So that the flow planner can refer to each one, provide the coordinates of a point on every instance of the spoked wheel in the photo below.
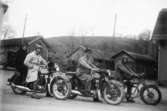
(113, 94)
(61, 88)
(72, 96)
(150, 95)
(17, 80)
(17, 90)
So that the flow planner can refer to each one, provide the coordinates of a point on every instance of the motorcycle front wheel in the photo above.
(150, 95)
(61, 88)
(113, 94)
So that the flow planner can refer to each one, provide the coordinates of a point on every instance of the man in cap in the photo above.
(123, 72)
(85, 65)
(32, 61)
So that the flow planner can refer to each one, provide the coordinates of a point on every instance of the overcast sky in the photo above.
(83, 17)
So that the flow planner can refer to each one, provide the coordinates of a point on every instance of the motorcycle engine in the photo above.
(96, 75)
(40, 87)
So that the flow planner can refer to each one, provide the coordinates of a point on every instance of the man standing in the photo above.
(85, 65)
(33, 60)
(123, 72)
(19, 65)
(21, 55)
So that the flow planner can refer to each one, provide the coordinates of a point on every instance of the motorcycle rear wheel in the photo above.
(18, 91)
(17, 80)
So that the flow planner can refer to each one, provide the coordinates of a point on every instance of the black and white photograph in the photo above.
(83, 55)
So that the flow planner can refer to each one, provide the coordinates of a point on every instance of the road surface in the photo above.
(11, 102)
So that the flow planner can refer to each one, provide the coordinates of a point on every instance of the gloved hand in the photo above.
(135, 75)
(95, 69)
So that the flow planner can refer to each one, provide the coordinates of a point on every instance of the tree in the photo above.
(7, 32)
(144, 41)
(145, 35)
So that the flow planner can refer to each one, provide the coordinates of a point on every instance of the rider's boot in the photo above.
(88, 88)
(130, 100)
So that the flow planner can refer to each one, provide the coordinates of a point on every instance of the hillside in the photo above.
(64, 45)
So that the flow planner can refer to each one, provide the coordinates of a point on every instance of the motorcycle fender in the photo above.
(115, 82)
(150, 83)
(60, 75)
(55, 76)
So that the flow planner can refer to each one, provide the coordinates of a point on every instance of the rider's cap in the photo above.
(88, 50)
(38, 46)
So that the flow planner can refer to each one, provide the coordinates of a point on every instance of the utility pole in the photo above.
(114, 29)
(25, 21)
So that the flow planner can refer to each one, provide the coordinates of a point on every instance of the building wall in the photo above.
(4, 51)
(120, 57)
(162, 65)
(4, 55)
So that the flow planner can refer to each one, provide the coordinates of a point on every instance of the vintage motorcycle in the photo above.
(45, 77)
(149, 92)
(103, 87)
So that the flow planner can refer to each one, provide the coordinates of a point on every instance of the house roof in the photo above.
(26, 40)
(160, 29)
(97, 54)
(20, 41)
(135, 56)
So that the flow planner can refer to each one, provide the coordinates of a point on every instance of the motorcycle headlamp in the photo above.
(109, 72)
(56, 67)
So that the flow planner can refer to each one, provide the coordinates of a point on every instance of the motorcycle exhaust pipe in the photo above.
(99, 95)
(76, 92)
(21, 87)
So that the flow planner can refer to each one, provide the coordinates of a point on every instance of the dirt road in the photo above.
(11, 102)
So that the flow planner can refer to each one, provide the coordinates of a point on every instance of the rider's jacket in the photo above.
(32, 61)
(122, 71)
(84, 67)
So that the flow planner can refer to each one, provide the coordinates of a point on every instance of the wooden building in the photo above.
(159, 37)
(100, 59)
(10, 46)
(138, 62)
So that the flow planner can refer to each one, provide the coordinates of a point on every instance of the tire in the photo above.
(17, 90)
(17, 80)
(96, 99)
(150, 95)
(59, 84)
(72, 96)
(117, 94)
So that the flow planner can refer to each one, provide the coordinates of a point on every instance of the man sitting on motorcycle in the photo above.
(85, 65)
(33, 61)
(123, 72)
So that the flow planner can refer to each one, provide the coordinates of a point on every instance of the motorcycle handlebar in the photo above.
(99, 70)
(139, 75)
